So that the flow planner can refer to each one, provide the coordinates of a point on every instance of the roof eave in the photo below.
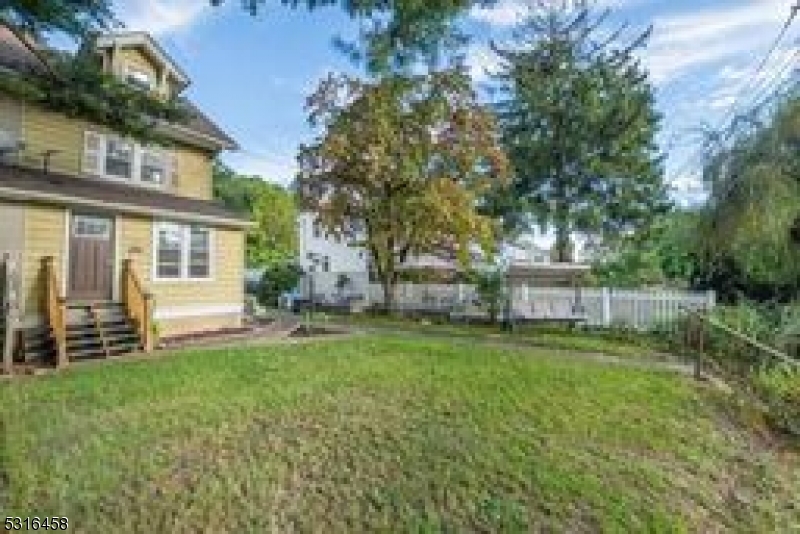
(18, 195)
(191, 136)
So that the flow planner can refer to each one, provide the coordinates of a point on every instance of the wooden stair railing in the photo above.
(56, 308)
(9, 308)
(138, 304)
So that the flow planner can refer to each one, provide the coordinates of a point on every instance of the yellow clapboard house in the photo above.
(106, 241)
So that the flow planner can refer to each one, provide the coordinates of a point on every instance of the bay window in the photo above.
(182, 252)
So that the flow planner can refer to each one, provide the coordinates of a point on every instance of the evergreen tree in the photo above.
(579, 123)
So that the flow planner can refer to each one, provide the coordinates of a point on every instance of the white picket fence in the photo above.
(601, 307)
(606, 307)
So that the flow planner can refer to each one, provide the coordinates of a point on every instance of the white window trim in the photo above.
(136, 164)
(131, 69)
(185, 252)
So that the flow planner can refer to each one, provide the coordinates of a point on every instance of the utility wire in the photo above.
(728, 124)
(731, 115)
(792, 15)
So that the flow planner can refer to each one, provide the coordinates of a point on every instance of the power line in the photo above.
(792, 15)
(727, 125)
(731, 115)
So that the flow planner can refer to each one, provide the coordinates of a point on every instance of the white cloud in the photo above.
(504, 13)
(722, 102)
(161, 17)
(510, 12)
(686, 41)
(482, 62)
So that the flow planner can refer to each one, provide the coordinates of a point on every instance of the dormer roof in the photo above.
(150, 46)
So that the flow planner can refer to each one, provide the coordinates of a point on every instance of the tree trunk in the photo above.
(563, 245)
(388, 294)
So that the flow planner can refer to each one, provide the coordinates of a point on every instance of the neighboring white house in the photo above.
(321, 253)
(525, 251)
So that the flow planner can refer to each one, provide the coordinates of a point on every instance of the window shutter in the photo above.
(173, 170)
(93, 148)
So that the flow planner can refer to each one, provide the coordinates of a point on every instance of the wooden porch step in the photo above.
(37, 345)
(84, 342)
(93, 330)
(86, 304)
(37, 342)
(121, 336)
(126, 348)
(41, 355)
(87, 353)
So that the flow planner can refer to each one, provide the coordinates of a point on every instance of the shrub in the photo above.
(277, 280)
(490, 286)
(779, 388)
(775, 383)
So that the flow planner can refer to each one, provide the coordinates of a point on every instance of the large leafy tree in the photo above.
(273, 240)
(750, 222)
(406, 158)
(664, 253)
(578, 118)
(75, 18)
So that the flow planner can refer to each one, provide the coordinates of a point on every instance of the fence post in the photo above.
(711, 299)
(698, 361)
(606, 307)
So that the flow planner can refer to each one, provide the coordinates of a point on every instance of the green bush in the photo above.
(775, 383)
(779, 387)
(275, 281)
(490, 286)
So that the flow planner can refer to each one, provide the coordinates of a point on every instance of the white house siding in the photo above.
(342, 258)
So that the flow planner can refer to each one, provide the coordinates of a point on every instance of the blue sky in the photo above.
(252, 74)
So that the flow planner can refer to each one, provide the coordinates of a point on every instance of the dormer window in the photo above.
(139, 78)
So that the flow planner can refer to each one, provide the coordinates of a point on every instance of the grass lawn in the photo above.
(555, 337)
(385, 434)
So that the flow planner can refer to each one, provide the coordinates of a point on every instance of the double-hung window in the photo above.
(138, 78)
(120, 159)
(199, 252)
(154, 167)
(182, 252)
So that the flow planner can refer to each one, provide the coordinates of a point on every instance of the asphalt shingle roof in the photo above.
(27, 181)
